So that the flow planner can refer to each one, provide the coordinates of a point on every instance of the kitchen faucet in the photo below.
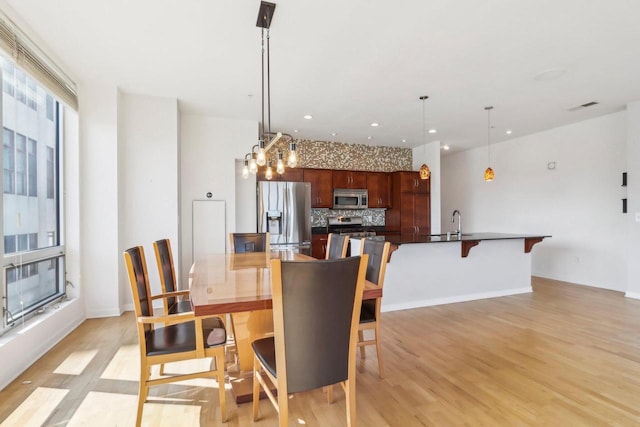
(453, 220)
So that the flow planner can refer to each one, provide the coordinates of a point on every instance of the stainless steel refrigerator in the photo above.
(284, 210)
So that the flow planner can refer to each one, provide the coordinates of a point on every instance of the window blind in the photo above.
(29, 57)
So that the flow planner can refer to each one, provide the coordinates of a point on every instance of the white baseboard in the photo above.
(94, 314)
(634, 295)
(454, 299)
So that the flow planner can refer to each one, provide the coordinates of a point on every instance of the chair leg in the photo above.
(363, 355)
(329, 390)
(379, 349)
(143, 391)
(283, 409)
(256, 389)
(350, 398)
(220, 365)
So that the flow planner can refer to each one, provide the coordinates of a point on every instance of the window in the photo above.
(33, 273)
(33, 241)
(21, 86)
(33, 167)
(21, 164)
(49, 107)
(50, 173)
(32, 94)
(8, 163)
(9, 244)
(8, 85)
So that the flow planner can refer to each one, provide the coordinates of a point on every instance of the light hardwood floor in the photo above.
(564, 355)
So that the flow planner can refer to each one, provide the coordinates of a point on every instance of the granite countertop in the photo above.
(400, 239)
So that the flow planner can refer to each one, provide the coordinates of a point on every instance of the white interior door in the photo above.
(209, 228)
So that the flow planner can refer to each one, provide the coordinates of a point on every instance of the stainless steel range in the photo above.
(348, 225)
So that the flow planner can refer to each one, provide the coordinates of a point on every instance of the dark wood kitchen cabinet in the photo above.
(411, 211)
(379, 186)
(349, 179)
(319, 245)
(321, 181)
(290, 174)
(410, 182)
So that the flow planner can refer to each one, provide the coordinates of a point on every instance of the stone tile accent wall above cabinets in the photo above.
(357, 157)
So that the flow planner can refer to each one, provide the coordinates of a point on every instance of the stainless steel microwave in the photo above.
(345, 198)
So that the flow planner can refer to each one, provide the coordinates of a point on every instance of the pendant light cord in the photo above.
(489, 132)
(268, 84)
(262, 85)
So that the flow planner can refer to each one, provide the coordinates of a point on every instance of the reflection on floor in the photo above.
(562, 355)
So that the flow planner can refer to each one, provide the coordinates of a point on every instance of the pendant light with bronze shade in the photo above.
(424, 169)
(489, 174)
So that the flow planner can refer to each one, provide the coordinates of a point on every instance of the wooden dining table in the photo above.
(240, 285)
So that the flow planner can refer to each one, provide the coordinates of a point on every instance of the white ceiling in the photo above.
(350, 63)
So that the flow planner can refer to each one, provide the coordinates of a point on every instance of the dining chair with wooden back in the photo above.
(316, 308)
(378, 253)
(183, 337)
(249, 242)
(337, 246)
(164, 258)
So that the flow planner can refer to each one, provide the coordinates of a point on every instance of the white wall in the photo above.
(430, 155)
(578, 202)
(246, 201)
(209, 148)
(632, 192)
(148, 180)
(99, 198)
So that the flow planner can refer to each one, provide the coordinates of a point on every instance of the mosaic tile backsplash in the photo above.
(369, 216)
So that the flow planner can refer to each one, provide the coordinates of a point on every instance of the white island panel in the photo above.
(425, 274)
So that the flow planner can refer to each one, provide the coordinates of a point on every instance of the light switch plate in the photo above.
(637, 216)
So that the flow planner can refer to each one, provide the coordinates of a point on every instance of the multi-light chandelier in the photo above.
(259, 155)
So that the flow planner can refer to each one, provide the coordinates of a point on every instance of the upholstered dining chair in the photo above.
(316, 307)
(378, 253)
(249, 242)
(183, 337)
(337, 246)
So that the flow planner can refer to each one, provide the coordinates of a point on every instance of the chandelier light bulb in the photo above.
(292, 159)
(253, 166)
(269, 173)
(261, 160)
(245, 170)
(280, 164)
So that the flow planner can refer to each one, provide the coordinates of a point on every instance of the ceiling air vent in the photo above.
(579, 107)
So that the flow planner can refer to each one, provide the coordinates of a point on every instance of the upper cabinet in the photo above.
(321, 181)
(379, 186)
(349, 179)
(410, 182)
(290, 174)
(411, 211)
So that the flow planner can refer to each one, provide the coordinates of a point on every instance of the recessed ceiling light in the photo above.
(432, 131)
(404, 140)
(333, 134)
(295, 131)
(375, 124)
(368, 137)
(308, 117)
(445, 147)
(508, 131)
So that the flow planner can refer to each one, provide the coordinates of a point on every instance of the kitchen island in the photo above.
(429, 270)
